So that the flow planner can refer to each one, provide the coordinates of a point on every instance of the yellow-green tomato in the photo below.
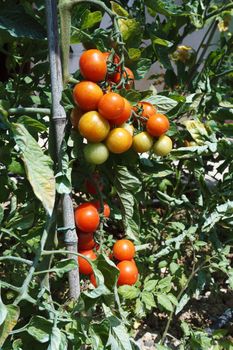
(162, 146)
(96, 153)
(142, 142)
(128, 127)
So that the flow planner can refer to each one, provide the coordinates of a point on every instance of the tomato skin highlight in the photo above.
(95, 153)
(93, 65)
(128, 273)
(162, 146)
(87, 95)
(142, 142)
(93, 126)
(84, 266)
(123, 249)
(87, 217)
(157, 124)
(128, 127)
(107, 210)
(124, 116)
(111, 105)
(86, 240)
(119, 140)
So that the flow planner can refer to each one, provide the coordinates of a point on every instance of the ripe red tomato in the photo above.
(142, 142)
(85, 240)
(93, 65)
(123, 249)
(146, 109)
(128, 273)
(128, 76)
(157, 124)
(163, 146)
(87, 217)
(125, 114)
(93, 280)
(106, 208)
(87, 95)
(93, 126)
(119, 140)
(111, 105)
(90, 186)
(95, 153)
(84, 266)
(75, 116)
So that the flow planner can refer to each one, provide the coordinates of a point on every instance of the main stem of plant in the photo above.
(57, 129)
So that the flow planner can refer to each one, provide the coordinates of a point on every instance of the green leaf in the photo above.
(139, 308)
(159, 41)
(148, 300)
(149, 285)
(1, 213)
(64, 266)
(32, 125)
(167, 8)
(141, 67)
(131, 31)
(57, 340)
(197, 130)
(38, 167)
(119, 10)
(91, 19)
(183, 301)
(165, 302)
(129, 292)
(18, 23)
(9, 322)
(163, 103)
(40, 329)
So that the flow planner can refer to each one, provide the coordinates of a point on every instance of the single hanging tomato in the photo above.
(87, 217)
(128, 273)
(93, 65)
(157, 124)
(123, 249)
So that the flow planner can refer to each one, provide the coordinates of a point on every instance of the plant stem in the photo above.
(17, 259)
(218, 11)
(58, 122)
(29, 110)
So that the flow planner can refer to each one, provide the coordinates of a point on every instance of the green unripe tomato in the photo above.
(142, 142)
(162, 146)
(96, 153)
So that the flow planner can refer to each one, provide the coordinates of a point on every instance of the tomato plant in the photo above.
(142, 142)
(84, 266)
(157, 124)
(85, 241)
(162, 146)
(96, 153)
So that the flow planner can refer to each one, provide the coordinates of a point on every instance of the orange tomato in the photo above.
(157, 124)
(146, 109)
(119, 140)
(87, 217)
(128, 273)
(111, 105)
(125, 114)
(84, 266)
(93, 126)
(106, 208)
(93, 65)
(87, 95)
(123, 249)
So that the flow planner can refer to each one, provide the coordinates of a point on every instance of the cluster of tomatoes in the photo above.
(106, 119)
(87, 220)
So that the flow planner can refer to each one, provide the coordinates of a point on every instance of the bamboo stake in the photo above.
(57, 128)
